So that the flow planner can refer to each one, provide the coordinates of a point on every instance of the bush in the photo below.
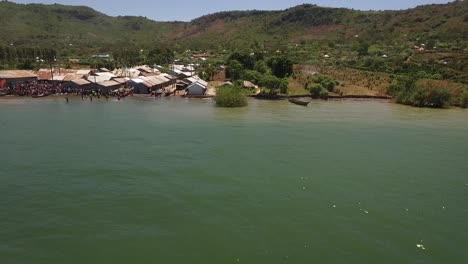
(235, 70)
(274, 83)
(464, 100)
(438, 98)
(261, 67)
(407, 92)
(326, 81)
(315, 90)
(252, 76)
(281, 66)
(324, 94)
(230, 96)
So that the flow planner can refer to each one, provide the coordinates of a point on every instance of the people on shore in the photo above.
(44, 88)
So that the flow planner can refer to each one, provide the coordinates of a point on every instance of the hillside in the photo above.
(86, 29)
(380, 41)
(82, 27)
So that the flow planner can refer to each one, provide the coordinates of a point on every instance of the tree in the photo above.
(246, 60)
(235, 70)
(274, 83)
(326, 82)
(363, 48)
(230, 96)
(281, 66)
(315, 90)
(464, 99)
(160, 56)
(261, 67)
(253, 76)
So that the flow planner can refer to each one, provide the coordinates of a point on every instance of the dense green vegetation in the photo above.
(464, 100)
(25, 58)
(407, 91)
(321, 85)
(270, 73)
(230, 96)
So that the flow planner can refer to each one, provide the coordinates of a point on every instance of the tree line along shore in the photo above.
(257, 74)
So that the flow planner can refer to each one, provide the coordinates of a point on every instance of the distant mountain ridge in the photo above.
(84, 29)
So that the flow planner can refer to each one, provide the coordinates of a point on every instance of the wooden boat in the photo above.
(299, 102)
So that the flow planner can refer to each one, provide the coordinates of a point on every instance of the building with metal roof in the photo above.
(17, 76)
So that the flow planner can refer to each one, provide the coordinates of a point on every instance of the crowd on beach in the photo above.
(40, 89)
(33, 89)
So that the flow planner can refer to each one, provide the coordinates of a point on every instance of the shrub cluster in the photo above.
(407, 92)
(464, 100)
(321, 85)
(230, 96)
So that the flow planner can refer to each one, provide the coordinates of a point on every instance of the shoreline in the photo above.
(336, 97)
(268, 98)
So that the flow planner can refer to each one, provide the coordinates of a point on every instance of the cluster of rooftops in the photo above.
(143, 79)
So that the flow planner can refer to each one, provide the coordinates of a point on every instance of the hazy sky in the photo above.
(188, 9)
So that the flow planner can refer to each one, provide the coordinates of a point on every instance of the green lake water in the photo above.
(181, 181)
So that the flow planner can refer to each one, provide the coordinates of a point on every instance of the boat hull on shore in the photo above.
(299, 102)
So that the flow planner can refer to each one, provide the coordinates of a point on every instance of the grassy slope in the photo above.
(61, 25)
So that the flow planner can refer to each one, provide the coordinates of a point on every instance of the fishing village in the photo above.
(145, 80)
(233, 131)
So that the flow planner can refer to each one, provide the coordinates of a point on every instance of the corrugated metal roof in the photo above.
(120, 80)
(83, 71)
(99, 79)
(138, 80)
(80, 82)
(155, 80)
(109, 83)
(59, 74)
(168, 76)
(17, 74)
(196, 79)
(106, 74)
(58, 77)
(126, 73)
(72, 76)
